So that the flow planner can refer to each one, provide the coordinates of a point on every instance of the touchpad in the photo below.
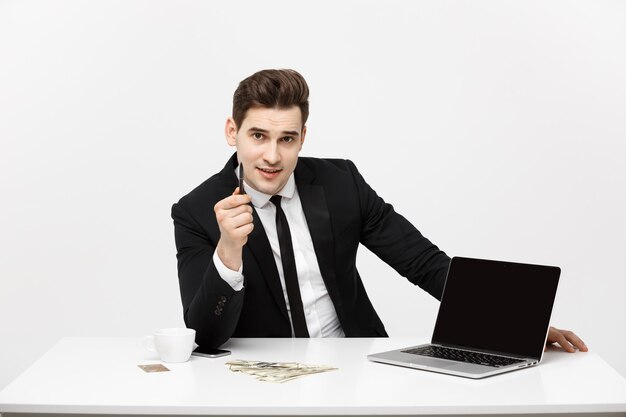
(433, 363)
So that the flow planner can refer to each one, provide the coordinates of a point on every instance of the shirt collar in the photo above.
(260, 199)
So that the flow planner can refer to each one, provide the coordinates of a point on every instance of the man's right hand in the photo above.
(234, 217)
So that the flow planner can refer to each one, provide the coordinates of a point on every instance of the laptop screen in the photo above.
(502, 307)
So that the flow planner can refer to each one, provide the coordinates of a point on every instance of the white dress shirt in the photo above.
(319, 310)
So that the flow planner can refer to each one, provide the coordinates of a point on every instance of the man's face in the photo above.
(268, 143)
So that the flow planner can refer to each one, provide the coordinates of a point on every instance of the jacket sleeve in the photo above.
(397, 242)
(210, 305)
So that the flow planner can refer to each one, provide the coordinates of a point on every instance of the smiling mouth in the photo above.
(269, 174)
(270, 170)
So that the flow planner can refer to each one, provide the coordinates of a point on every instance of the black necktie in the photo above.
(289, 269)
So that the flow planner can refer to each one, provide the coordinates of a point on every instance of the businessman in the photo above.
(276, 256)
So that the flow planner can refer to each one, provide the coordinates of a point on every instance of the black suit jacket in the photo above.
(341, 210)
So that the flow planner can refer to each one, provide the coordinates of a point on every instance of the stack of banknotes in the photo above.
(276, 371)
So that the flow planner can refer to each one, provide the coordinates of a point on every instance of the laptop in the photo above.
(493, 318)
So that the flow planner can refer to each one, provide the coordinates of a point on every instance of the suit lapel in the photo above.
(317, 217)
(259, 246)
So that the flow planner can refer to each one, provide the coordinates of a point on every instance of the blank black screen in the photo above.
(497, 306)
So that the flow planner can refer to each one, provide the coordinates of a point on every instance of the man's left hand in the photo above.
(566, 339)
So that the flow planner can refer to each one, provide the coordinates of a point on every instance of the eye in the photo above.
(288, 139)
(257, 135)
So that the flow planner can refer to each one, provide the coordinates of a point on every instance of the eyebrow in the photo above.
(284, 132)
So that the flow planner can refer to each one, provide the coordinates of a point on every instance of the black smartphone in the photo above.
(210, 353)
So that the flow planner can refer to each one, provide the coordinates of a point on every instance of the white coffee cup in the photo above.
(173, 345)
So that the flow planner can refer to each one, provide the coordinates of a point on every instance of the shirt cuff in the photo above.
(233, 278)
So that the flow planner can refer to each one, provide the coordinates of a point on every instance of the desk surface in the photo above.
(100, 375)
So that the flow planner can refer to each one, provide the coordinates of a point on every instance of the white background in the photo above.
(496, 127)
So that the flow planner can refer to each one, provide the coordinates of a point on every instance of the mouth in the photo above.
(269, 173)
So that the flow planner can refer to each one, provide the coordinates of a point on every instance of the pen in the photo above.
(241, 190)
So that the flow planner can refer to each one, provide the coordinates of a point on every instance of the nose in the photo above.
(271, 154)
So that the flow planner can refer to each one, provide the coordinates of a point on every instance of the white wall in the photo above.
(497, 127)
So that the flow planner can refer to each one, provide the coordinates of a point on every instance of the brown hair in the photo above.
(280, 89)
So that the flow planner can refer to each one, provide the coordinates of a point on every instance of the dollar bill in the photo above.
(276, 371)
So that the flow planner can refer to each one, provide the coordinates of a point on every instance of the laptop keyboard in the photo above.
(463, 356)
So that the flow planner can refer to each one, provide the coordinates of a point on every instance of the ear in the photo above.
(230, 131)
(302, 136)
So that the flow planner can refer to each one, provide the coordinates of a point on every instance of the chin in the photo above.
(263, 188)
(268, 187)
(271, 191)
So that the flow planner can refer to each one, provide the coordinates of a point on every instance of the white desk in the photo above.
(100, 376)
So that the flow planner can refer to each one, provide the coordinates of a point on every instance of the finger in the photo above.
(576, 341)
(232, 201)
(235, 211)
(241, 231)
(561, 340)
(242, 219)
(228, 220)
(233, 218)
(237, 191)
